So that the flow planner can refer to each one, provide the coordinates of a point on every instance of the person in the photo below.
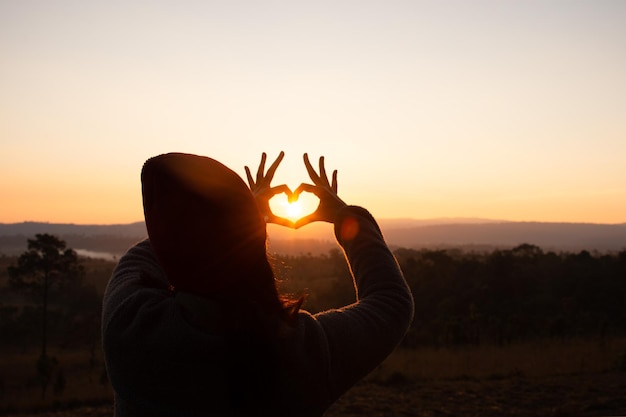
(193, 324)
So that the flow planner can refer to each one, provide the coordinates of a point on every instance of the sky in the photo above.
(510, 110)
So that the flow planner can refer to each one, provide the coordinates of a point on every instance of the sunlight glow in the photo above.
(306, 204)
(294, 210)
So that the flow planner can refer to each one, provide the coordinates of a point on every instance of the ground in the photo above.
(580, 395)
(602, 394)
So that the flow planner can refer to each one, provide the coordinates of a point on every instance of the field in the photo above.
(552, 337)
(548, 378)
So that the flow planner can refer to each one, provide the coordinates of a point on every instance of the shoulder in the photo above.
(137, 280)
(139, 266)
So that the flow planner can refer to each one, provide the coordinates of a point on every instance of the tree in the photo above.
(46, 263)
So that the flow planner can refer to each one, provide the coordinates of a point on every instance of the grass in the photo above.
(532, 359)
(439, 375)
(20, 388)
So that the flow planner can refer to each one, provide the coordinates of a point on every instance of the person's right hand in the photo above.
(263, 190)
(330, 203)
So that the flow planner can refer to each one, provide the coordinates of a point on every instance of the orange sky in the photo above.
(501, 110)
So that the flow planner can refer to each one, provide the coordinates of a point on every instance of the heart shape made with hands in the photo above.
(300, 206)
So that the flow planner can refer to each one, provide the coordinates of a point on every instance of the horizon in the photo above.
(484, 109)
(434, 221)
(319, 237)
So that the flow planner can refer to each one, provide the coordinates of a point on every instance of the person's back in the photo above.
(177, 348)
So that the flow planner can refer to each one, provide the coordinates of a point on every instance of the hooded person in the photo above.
(207, 232)
(193, 324)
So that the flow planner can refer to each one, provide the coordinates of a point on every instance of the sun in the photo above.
(282, 207)
(293, 210)
(305, 205)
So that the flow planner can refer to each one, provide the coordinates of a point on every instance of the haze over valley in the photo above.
(111, 241)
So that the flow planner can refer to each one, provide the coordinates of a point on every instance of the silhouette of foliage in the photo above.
(325, 279)
(461, 298)
(514, 295)
(47, 260)
(46, 263)
(496, 297)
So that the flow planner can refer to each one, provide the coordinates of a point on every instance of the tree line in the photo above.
(513, 295)
(461, 298)
(497, 297)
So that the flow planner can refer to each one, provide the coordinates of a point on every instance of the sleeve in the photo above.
(360, 336)
(137, 275)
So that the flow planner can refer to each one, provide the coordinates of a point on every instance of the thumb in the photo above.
(306, 220)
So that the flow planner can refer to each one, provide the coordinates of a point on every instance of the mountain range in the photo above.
(473, 234)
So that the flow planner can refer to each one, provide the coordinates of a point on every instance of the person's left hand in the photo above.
(330, 203)
(263, 191)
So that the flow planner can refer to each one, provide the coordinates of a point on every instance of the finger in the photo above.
(259, 172)
(270, 172)
(281, 189)
(281, 221)
(322, 174)
(284, 188)
(305, 220)
(334, 184)
(310, 169)
(309, 188)
(249, 175)
(291, 196)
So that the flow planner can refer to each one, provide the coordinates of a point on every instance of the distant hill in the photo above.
(549, 236)
(60, 229)
(104, 241)
(114, 240)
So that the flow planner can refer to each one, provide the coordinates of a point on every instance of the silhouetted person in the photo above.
(193, 324)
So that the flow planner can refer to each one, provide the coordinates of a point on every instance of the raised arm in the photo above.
(362, 335)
